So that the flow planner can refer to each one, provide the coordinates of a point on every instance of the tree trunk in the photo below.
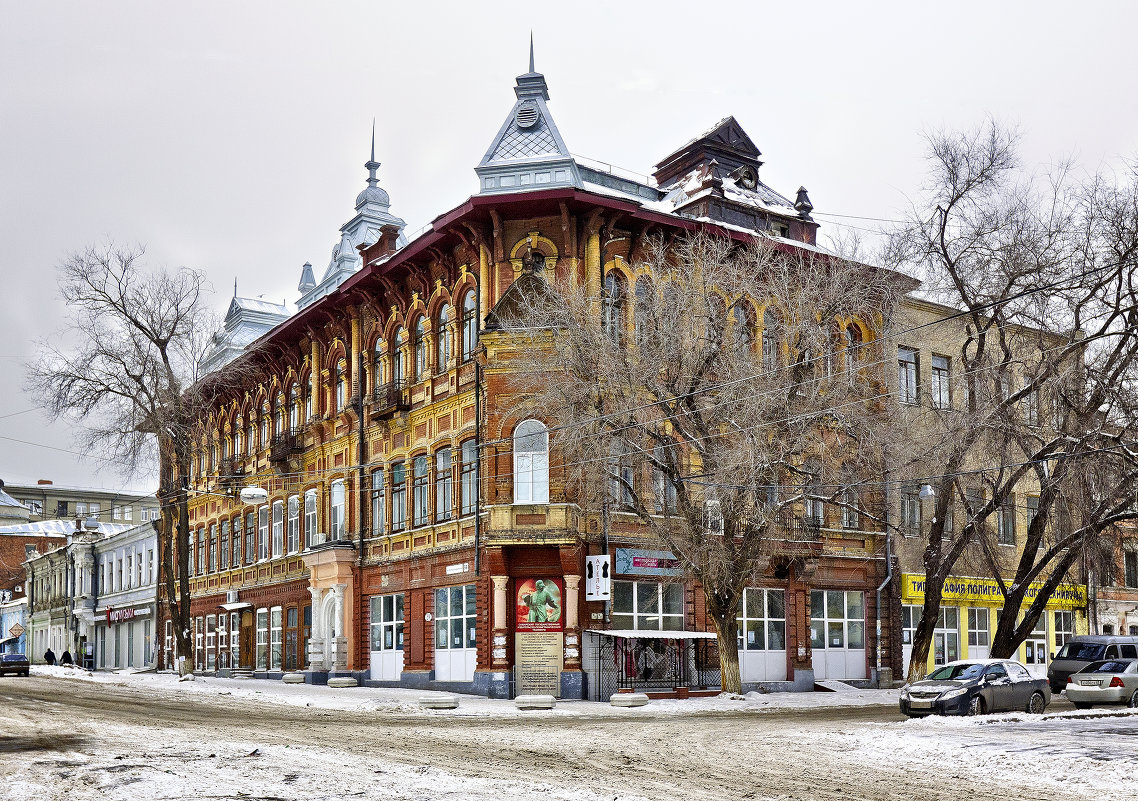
(727, 636)
(182, 533)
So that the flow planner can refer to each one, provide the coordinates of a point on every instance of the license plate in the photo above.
(1089, 683)
(915, 704)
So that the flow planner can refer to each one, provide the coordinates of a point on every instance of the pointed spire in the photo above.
(234, 286)
(532, 83)
(372, 165)
(531, 69)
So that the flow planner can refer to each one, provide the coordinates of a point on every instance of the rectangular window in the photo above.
(94, 507)
(294, 524)
(419, 488)
(837, 619)
(250, 538)
(444, 486)
(469, 487)
(978, 631)
(907, 386)
(1064, 628)
(338, 510)
(310, 524)
(278, 528)
(647, 605)
(224, 544)
(234, 639)
(378, 504)
(199, 644)
(910, 619)
(149, 567)
(941, 382)
(81, 509)
(213, 548)
(117, 511)
(129, 571)
(1006, 522)
(201, 551)
(263, 533)
(946, 636)
(1029, 405)
(387, 622)
(398, 496)
(910, 510)
(138, 570)
(851, 516)
(210, 642)
(262, 639)
(762, 620)
(1031, 503)
(455, 619)
(1130, 565)
(127, 511)
(276, 639)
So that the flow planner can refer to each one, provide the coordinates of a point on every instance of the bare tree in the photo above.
(1042, 271)
(129, 374)
(739, 393)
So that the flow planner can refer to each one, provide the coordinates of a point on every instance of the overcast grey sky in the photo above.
(231, 136)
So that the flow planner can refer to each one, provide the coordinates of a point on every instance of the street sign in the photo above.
(16, 630)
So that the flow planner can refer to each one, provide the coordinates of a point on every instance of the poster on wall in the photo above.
(642, 562)
(538, 606)
(598, 578)
(539, 657)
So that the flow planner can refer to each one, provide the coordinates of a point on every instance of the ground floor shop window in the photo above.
(169, 639)
(762, 620)
(647, 605)
(387, 623)
(262, 639)
(910, 619)
(1064, 628)
(837, 619)
(234, 639)
(199, 644)
(979, 635)
(455, 617)
(1035, 646)
(946, 636)
(210, 635)
(275, 619)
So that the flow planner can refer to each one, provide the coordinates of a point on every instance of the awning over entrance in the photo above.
(653, 635)
(233, 607)
(7, 640)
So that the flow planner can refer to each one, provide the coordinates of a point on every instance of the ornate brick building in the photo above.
(415, 530)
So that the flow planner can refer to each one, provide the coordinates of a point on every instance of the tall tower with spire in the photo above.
(528, 153)
(372, 213)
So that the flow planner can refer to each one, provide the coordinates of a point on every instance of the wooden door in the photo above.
(248, 640)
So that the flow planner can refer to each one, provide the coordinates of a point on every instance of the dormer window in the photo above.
(747, 178)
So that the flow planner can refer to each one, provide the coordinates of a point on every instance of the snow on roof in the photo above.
(265, 306)
(59, 528)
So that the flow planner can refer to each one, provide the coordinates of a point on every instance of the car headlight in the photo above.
(959, 691)
(905, 693)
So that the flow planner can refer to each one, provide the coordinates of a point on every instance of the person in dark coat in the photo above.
(66, 658)
(49, 656)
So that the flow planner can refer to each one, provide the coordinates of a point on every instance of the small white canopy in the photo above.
(647, 634)
(233, 607)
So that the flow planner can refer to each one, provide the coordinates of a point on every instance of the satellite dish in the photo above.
(254, 494)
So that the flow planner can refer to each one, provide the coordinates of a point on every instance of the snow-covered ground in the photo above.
(406, 701)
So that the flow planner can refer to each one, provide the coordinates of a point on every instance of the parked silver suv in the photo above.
(1080, 651)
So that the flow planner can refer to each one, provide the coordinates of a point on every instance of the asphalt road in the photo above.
(70, 739)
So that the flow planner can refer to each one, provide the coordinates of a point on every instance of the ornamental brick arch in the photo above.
(532, 243)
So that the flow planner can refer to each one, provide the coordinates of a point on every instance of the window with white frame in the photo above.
(907, 386)
(129, 571)
(851, 505)
(910, 509)
(531, 462)
(1064, 627)
(234, 639)
(468, 473)
(837, 619)
(419, 491)
(262, 639)
(1006, 522)
(762, 620)
(276, 638)
(80, 509)
(278, 528)
(1031, 510)
(940, 385)
(210, 642)
(378, 504)
(149, 566)
(250, 538)
(455, 618)
(979, 634)
(469, 326)
(213, 547)
(648, 605)
(910, 618)
(138, 570)
(398, 496)
(224, 549)
(263, 533)
(387, 622)
(310, 520)
(127, 512)
(293, 523)
(339, 500)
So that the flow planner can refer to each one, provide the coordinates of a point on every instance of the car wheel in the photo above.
(1036, 704)
(1133, 700)
(976, 706)
(1082, 705)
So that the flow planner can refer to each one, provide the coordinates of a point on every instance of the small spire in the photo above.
(372, 165)
(234, 286)
(531, 69)
(532, 83)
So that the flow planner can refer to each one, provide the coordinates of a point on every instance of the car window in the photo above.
(964, 672)
(1018, 671)
(1082, 651)
(1129, 651)
(1111, 652)
(995, 672)
(1110, 666)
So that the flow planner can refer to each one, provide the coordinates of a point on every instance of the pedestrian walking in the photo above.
(49, 656)
(66, 658)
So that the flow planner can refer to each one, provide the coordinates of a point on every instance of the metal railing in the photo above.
(391, 397)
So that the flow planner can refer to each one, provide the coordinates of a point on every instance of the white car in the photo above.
(1111, 681)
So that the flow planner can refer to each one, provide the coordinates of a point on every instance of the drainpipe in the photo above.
(477, 440)
(888, 560)
(360, 453)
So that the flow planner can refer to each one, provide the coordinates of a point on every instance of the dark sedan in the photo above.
(974, 687)
(15, 663)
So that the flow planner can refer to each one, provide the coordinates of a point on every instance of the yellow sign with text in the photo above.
(987, 592)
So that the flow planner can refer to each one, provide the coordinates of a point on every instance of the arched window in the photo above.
(264, 423)
(279, 416)
(852, 336)
(469, 326)
(531, 462)
(442, 339)
(613, 307)
(642, 311)
(420, 348)
(716, 318)
(341, 386)
(398, 373)
(251, 436)
(377, 368)
(237, 439)
(744, 329)
(294, 408)
(770, 340)
(339, 510)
